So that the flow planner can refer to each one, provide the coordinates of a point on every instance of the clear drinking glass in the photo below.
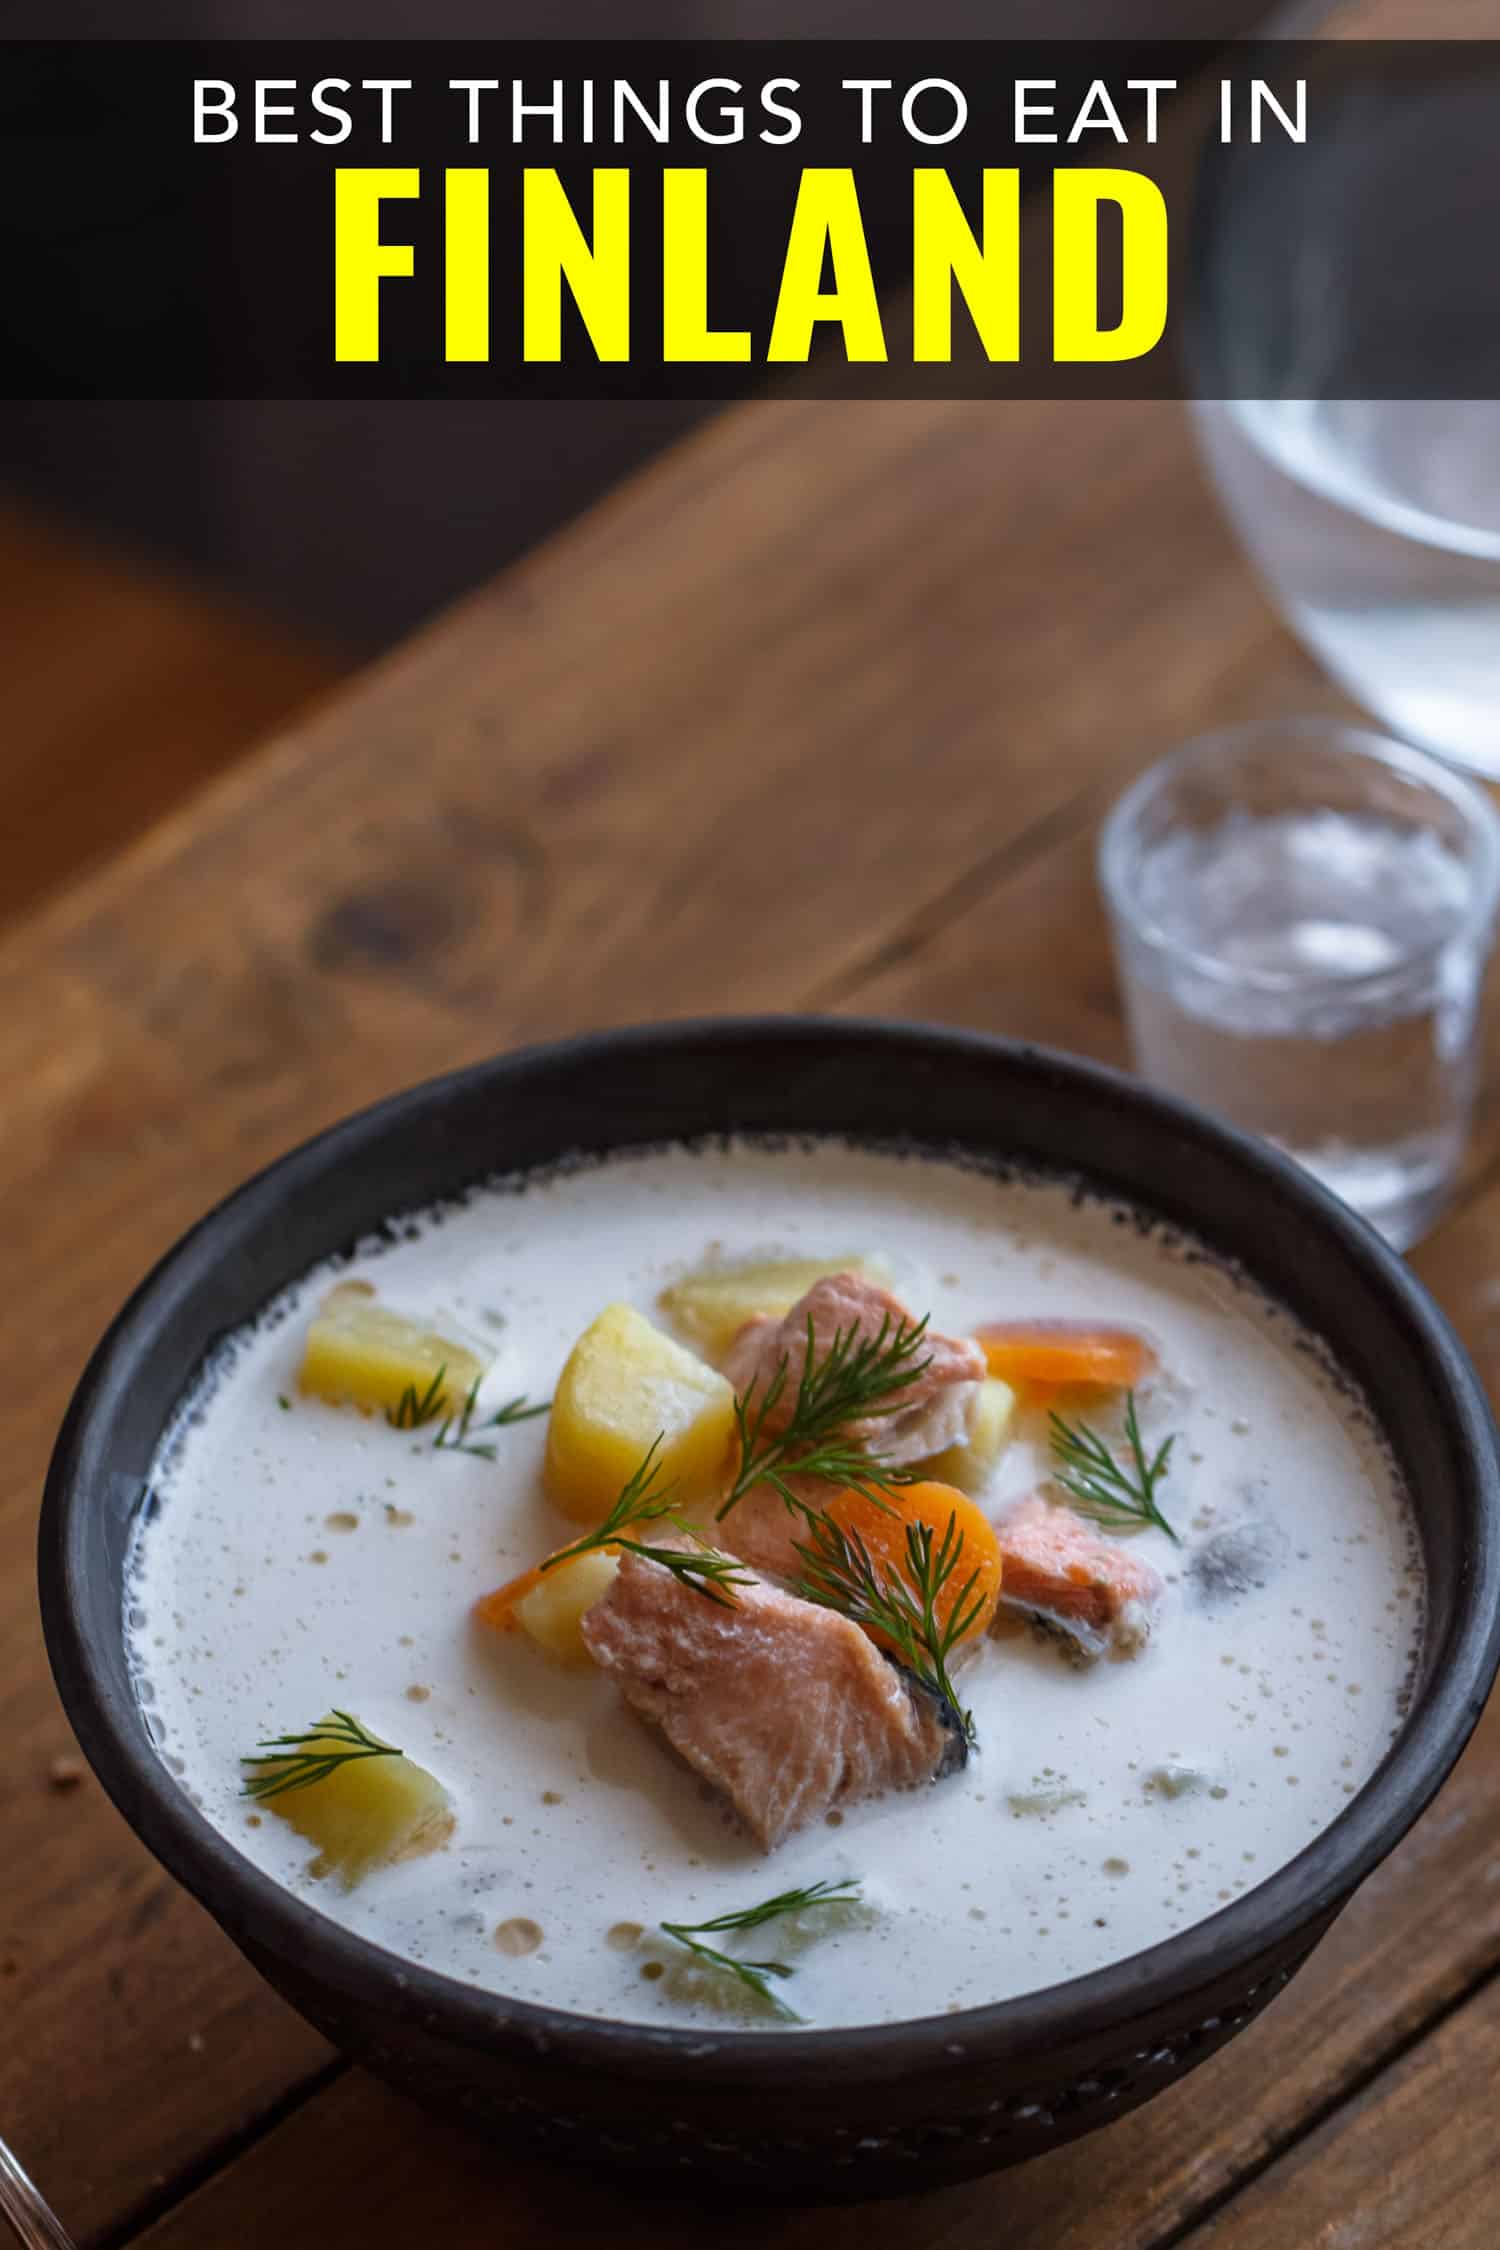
(1302, 913)
(1376, 525)
(1346, 352)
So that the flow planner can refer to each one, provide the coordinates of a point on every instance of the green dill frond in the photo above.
(1119, 1496)
(296, 1761)
(755, 1975)
(898, 1602)
(643, 1499)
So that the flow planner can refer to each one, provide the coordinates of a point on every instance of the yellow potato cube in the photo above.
(712, 1306)
(552, 1613)
(362, 1802)
(971, 1465)
(625, 1384)
(358, 1353)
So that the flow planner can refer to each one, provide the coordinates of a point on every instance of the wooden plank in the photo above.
(126, 686)
(1030, 956)
(680, 737)
(1409, 2164)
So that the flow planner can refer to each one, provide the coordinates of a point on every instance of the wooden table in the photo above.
(821, 712)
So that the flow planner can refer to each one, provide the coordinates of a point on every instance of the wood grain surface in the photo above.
(126, 686)
(822, 710)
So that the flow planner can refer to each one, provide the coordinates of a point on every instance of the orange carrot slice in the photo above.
(884, 1534)
(1064, 1352)
(498, 1609)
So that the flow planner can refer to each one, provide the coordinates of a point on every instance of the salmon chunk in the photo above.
(785, 1707)
(764, 1532)
(930, 1412)
(1060, 1569)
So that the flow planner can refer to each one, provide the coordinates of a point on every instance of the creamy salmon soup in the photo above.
(759, 1584)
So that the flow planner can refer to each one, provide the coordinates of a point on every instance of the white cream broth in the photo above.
(304, 1556)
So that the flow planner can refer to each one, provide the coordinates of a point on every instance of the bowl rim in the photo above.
(259, 1911)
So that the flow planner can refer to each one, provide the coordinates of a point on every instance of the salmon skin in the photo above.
(1059, 1569)
(934, 1410)
(786, 1708)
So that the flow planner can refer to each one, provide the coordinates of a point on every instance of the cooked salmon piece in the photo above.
(930, 1412)
(787, 1708)
(1062, 1570)
(764, 1532)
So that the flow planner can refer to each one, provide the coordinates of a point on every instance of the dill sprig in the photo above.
(301, 1759)
(643, 1499)
(1121, 1496)
(414, 1408)
(857, 1377)
(900, 1602)
(754, 1975)
(457, 1432)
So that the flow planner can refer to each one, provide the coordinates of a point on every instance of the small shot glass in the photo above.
(1302, 912)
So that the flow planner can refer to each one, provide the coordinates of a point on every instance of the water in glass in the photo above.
(1312, 987)
(1376, 524)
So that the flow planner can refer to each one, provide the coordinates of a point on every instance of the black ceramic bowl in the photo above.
(819, 2112)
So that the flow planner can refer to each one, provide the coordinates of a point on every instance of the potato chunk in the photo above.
(712, 1306)
(373, 1807)
(971, 1465)
(624, 1385)
(359, 1353)
(550, 1604)
(553, 1612)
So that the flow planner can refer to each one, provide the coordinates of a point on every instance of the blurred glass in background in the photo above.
(1347, 355)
